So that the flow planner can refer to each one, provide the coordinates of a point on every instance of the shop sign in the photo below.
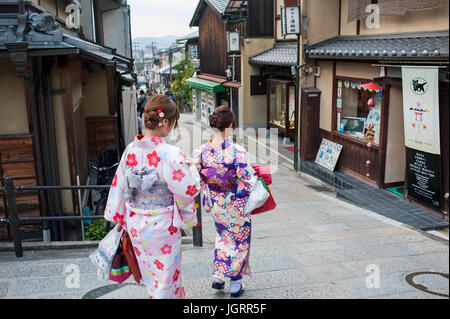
(233, 44)
(328, 154)
(193, 52)
(422, 135)
(290, 20)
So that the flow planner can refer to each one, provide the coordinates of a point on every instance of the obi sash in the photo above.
(157, 197)
(219, 180)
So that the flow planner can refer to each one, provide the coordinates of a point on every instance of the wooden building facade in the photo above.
(61, 101)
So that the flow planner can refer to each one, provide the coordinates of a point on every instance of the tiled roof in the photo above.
(281, 54)
(220, 5)
(190, 36)
(426, 45)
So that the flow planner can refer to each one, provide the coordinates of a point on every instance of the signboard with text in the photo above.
(422, 134)
(233, 44)
(290, 20)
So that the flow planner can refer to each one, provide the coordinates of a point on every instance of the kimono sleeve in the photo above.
(247, 178)
(245, 173)
(184, 183)
(115, 208)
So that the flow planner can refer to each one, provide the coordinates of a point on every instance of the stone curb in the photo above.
(66, 245)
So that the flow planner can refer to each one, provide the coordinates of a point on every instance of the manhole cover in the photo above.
(116, 291)
(435, 283)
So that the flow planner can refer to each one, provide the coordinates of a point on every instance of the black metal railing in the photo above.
(14, 221)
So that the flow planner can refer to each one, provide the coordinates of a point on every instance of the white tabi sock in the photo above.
(218, 281)
(234, 286)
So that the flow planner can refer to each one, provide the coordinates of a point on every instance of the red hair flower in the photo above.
(160, 113)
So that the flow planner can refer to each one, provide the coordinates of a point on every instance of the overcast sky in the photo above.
(158, 18)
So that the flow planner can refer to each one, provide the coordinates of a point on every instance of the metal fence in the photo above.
(14, 221)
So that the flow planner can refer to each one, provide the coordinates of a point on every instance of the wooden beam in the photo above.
(384, 123)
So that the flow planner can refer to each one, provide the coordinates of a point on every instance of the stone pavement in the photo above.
(313, 245)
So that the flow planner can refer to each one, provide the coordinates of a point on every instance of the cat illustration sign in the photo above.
(419, 86)
(422, 134)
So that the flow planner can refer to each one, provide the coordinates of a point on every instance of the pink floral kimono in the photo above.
(152, 196)
(227, 179)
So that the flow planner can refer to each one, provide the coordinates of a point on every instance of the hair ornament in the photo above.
(160, 113)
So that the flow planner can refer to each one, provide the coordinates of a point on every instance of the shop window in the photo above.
(278, 104)
(358, 108)
(282, 104)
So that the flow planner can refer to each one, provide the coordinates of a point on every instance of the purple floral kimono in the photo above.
(227, 179)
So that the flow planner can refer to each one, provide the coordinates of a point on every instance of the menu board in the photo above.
(424, 177)
(422, 134)
(328, 154)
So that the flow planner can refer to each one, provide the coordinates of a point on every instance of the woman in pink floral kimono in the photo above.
(227, 179)
(152, 197)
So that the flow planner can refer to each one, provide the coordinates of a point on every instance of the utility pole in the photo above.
(170, 61)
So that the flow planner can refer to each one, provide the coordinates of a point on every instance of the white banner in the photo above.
(421, 108)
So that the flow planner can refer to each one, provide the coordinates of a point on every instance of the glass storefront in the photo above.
(281, 100)
(358, 110)
(278, 104)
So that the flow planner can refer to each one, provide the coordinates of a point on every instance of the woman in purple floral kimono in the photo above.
(227, 179)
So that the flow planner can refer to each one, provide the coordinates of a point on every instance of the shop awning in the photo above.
(213, 78)
(235, 85)
(209, 86)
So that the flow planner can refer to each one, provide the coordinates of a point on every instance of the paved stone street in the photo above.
(312, 246)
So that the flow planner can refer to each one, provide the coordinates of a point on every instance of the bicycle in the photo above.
(108, 161)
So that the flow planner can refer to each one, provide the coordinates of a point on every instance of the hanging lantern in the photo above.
(371, 86)
(347, 84)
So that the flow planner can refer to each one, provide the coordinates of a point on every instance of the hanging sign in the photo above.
(422, 134)
(290, 20)
(233, 44)
(193, 52)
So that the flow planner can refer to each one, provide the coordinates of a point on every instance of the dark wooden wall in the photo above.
(354, 156)
(102, 135)
(260, 22)
(212, 43)
(17, 160)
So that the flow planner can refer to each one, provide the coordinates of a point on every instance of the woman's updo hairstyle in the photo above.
(160, 107)
(222, 118)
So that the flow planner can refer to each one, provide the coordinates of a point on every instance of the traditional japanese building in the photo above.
(356, 65)
(62, 94)
(229, 33)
